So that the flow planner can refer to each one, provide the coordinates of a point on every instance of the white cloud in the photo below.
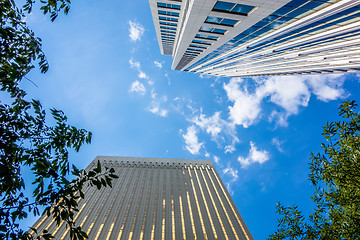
(255, 156)
(219, 129)
(213, 125)
(158, 64)
(216, 159)
(191, 140)
(136, 31)
(134, 64)
(155, 105)
(246, 106)
(156, 110)
(287, 92)
(202, 75)
(277, 143)
(230, 148)
(233, 173)
(142, 75)
(328, 87)
(137, 87)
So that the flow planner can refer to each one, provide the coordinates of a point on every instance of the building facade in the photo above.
(251, 38)
(156, 198)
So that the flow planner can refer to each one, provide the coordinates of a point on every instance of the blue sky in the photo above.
(108, 76)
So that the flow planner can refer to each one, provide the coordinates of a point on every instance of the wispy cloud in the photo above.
(191, 140)
(277, 143)
(137, 66)
(137, 87)
(158, 111)
(158, 64)
(255, 156)
(134, 64)
(156, 104)
(136, 30)
(233, 173)
(142, 75)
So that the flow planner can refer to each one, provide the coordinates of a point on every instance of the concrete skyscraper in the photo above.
(156, 198)
(259, 37)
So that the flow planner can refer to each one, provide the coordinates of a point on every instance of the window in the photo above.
(221, 21)
(167, 37)
(203, 36)
(197, 46)
(213, 30)
(194, 49)
(168, 23)
(168, 13)
(201, 42)
(165, 27)
(234, 8)
(167, 31)
(167, 5)
(168, 19)
(167, 34)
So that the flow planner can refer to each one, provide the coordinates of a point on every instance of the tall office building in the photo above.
(156, 198)
(251, 38)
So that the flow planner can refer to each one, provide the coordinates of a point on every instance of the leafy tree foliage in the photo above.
(335, 175)
(28, 141)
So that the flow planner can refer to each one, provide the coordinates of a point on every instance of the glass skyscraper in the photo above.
(251, 38)
(156, 198)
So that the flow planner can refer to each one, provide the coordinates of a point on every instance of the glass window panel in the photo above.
(223, 6)
(328, 19)
(283, 11)
(201, 35)
(242, 9)
(312, 5)
(240, 36)
(221, 21)
(261, 23)
(206, 36)
(270, 18)
(165, 27)
(229, 22)
(343, 21)
(215, 20)
(206, 29)
(212, 37)
(197, 46)
(194, 49)
(261, 31)
(220, 31)
(159, 4)
(297, 12)
(249, 30)
(168, 23)
(168, 13)
(168, 19)
(167, 31)
(202, 42)
(296, 3)
(175, 6)
(348, 11)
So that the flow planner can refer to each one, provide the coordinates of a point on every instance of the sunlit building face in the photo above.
(251, 38)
